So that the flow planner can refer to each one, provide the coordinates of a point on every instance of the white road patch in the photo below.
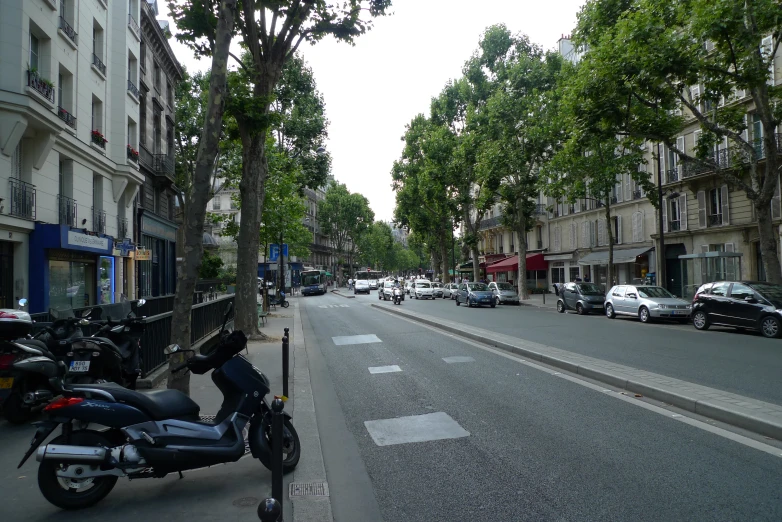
(334, 306)
(458, 359)
(355, 339)
(385, 369)
(416, 428)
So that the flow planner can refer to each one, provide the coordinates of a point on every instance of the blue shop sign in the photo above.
(62, 236)
(154, 226)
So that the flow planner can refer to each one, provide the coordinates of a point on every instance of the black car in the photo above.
(752, 305)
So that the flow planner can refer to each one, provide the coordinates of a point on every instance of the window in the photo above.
(169, 94)
(216, 203)
(558, 272)
(674, 215)
(97, 114)
(142, 114)
(741, 291)
(619, 291)
(156, 77)
(720, 289)
(97, 40)
(132, 69)
(143, 55)
(575, 273)
(156, 132)
(715, 206)
(757, 135)
(35, 52)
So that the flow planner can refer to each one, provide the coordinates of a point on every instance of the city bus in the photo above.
(313, 282)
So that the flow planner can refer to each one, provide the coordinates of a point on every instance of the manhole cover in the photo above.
(308, 489)
(245, 502)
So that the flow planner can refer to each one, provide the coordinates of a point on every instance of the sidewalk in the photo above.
(541, 301)
(751, 414)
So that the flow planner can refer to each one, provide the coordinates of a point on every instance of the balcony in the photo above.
(164, 166)
(539, 210)
(720, 158)
(98, 139)
(99, 65)
(22, 199)
(40, 85)
(67, 117)
(715, 220)
(760, 147)
(637, 194)
(67, 210)
(133, 25)
(613, 200)
(132, 89)
(146, 158)
(66, 28)
(492, 222)
(98, 220)
(133, 154)
(122, 227)
(672, 175)
(674, 226)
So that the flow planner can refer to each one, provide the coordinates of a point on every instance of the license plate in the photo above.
(6, 382)
(80, 366)
(679, 312)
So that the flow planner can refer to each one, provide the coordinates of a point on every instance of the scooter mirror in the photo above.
(141, 302)
(84, 322)
(171, 348)
(22, 302)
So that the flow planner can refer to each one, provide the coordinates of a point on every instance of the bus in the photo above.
(313, 282)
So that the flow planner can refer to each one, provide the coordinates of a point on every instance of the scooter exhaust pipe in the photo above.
(62, 453)
(37, 396)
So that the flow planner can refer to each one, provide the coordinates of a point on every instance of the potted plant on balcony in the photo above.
(132, 154)
(98, 138)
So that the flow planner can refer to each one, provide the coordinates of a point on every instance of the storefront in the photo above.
(123, 270)
(563, 267)
(507, 270)
(631, 266)
(156, 271)
(70, 268)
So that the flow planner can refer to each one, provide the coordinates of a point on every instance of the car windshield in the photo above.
(477, 287)
(771, 292)
(388, 284)
(589, 289)
(423, 285)
(653, 291)
(505, 286)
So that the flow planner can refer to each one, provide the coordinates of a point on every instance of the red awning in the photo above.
(535, 261)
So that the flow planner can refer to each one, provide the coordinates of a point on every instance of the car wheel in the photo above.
(610, 311)
(770, 327)
(580, 309)
(493, 305)
(643, 315)
(700, 320)
(560, 307)
(497, 300)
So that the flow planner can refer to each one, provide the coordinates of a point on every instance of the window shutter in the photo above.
(641, 236)
(775, 203)
(591, 233)
(565, 207)
(635, 227)
(702, 209)
(695, 94)
(628, 188)
(766, 47)
(601, 232)
(618, 230)
(682, 147)
(725, 205)
(577, 206)
(585, 234)
(665, 215)
(683, 212)
(618, 188)
(550, 205)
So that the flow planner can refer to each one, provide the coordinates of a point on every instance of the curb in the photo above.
(153, 378)
(337, 292)
(725, 411)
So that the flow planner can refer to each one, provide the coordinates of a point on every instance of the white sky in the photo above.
(376, 87)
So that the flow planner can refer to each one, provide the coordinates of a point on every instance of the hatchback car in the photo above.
(646, 303)
(449, 291)
(752, 305)
(437, 289)
(475, 294)
(504, 293)
(422, 290)
(361, 286)
(581, 297)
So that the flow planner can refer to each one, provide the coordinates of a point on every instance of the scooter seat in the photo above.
(38, 345)
(158, 404)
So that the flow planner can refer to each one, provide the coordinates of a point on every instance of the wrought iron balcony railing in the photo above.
(67, 210)
(164, 165)
(674, 226)
(672, 175)
(22, 199)
(122, 227)
(715, 220)
(68, 30)
(40, 85)
(98, 64)
(98, 220)
(67, 117)
(133, 90)
(489, 223)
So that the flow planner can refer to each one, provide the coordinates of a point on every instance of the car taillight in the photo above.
(6, 360)
(8, 315)
(62, 403)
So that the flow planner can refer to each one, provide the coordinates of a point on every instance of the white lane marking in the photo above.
(458, 359)
(334, 306)
(384, 369)
(721, 432)
(355, 339)
(416, 428)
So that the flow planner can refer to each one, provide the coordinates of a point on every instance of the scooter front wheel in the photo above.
(285, 304)
(291, 448)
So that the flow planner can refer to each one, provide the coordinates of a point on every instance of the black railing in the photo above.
(489, 223)
(98, 220)
(98, 64)
(67, 208)
(153, 306)
(673, 226)
(540, 210)
(42, 86)
(672, 175)
(133, 154)
(146, 158)
(637, 194)
(133, 24)
(68, 30)
(164, 165)
(715, 161)
(715, 220)
(67, 117)
(22, 204)
(133, 89)
(760, 147)
(614, 200)
(98, 139)
(122, 227)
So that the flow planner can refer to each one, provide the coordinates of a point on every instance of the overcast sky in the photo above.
(376, 87)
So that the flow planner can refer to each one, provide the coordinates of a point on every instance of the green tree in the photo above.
(211, 265)
(674, 61)
(376, 247)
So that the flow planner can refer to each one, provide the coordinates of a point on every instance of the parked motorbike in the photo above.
(155, 433)
(281, 301)
(113, 353)
(397, 296)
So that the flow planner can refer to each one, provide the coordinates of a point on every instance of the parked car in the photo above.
(449, 290)
(752, 305)
(581, 297)
(437, 290)
(422, 290)
(504, 293)
(474, 294)
(646, 303)
(361, 286)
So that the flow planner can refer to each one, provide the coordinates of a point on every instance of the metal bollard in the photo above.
(270, 510)
(286, 354)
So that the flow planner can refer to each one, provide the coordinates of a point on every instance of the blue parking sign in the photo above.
(274, 252)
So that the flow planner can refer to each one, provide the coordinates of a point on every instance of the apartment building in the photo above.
(68, 177)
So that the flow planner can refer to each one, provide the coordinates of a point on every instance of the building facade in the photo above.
(68, 171)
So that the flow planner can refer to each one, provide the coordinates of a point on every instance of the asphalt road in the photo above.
(538, 446)
(743, 363)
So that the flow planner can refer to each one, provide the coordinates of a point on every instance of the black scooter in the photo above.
(397, 296)
(156, 433)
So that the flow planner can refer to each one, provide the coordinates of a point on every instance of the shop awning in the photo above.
(511, 264)
(328, 273)
(626, 255)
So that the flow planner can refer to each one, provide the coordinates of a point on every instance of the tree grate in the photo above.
(308, 489)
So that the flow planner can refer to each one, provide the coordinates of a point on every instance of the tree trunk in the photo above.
(521, 230)
(475, 264)
(195, 208)
(610, 281)
(255, 169)
(768, 243)
(444, 257)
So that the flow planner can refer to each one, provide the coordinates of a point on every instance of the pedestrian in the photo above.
(556, 289)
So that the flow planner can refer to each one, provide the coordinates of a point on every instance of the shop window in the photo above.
(71, 284)
(574, 273)
(558, 272)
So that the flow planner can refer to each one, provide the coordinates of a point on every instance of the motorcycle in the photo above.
(281, 301)
(397, 296)
(156, 433)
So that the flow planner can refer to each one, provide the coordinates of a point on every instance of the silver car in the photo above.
(449, 291)
(646, 303)
(504, 293)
